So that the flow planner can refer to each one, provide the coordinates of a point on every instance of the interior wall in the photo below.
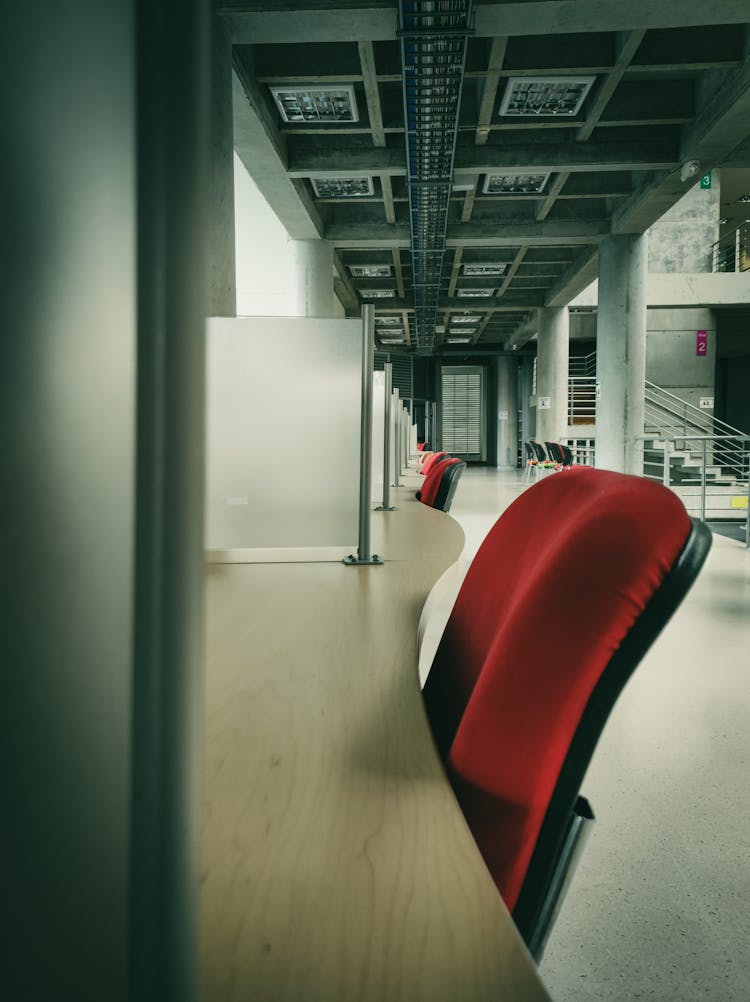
(671, 359)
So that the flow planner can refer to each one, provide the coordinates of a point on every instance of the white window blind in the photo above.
(462, 411)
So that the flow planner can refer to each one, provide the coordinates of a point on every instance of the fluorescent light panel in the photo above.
(392, 340)
(474, 293)
(370, 270)
(300, 105)
(553, 96)
(377, 293)
(388, 321)
(459, 340)
(342, 187)
(514, 184)
(484, 269)
(467, 319)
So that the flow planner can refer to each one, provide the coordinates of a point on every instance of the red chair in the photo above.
(516, 723)
(429, 489)
(433, 458)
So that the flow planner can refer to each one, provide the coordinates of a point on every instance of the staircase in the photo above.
(704, 460)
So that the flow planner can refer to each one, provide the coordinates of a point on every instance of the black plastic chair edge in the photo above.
(660, 609)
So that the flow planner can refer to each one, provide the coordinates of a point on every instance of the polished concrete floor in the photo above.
(660, 906)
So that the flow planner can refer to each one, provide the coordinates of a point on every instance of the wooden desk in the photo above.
(336, 865)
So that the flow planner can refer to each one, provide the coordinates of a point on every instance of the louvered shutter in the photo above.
(462, 411)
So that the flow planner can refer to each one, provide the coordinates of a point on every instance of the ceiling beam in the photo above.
(550, 17)
(372, 92)
(554, 190)
(524, 332)
(489, 91)
(508, 277)
(388, 205)
(397, 271)
(485, 234)
(578, 276)
(709, 139)
(254, 25)
(532, 158)
(627, 44)
(455, 271)
(468, 207)
(263, 151)
(344, 289)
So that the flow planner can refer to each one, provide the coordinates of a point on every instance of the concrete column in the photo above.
(507, 413)
(220, 248)
(312, 282)
(552, 374)
(621, 352)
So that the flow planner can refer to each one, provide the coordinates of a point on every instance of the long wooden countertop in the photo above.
(336, 865)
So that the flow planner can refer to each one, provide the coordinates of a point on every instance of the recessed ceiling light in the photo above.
(514, 184)
(459, 340)
(467, 318)
(377, 293)
(388, 321)
(484, 269)
(722, 220)
(561, 96)
(391, 340)
(342, 187)
(316, 104)
(744, 199)
(370, 270)
(474, 293)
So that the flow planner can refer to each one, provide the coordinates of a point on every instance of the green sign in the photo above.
(706, 180)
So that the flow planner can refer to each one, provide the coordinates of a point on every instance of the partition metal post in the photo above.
(386, 505)
(365, 443)
(396, 440)
(665, 475)
(703, 482)
(433, 425)
(747, 519)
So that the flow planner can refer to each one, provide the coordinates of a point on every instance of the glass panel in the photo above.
(283, 406)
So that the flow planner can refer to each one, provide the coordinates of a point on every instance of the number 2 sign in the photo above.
(701, 342)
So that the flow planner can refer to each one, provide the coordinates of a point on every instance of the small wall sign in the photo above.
(706, 181)
(544, 403)
(502, 415)
(706, 403)
(701, 342)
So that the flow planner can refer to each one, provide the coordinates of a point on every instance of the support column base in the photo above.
(352, 561)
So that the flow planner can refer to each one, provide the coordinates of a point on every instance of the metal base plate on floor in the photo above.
(354, 561)
(390, 507)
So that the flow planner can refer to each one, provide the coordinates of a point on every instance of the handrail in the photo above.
(705, 418)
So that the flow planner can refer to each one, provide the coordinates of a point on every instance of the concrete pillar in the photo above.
(552, 374)
(312, 281)
(220, 248)
(507, 413)
(621, 352)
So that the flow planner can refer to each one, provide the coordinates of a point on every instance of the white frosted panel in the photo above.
(378, 434)
(282, 435)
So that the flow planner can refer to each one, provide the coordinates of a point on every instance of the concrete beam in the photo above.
(710, 139)
(372, 92)
(554, 190)
(262, 150)
(489, 91)
(508, 277)
(564, 16)
(627, 43)
(533, 158)
(578, 276)
(344, 288)
(296, 22)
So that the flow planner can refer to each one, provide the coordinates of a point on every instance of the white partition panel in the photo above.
(378, 434)
(282, 443)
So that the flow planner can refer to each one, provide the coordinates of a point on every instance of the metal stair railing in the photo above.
(669, 416)
(582, 365)
(581, 400)
(703, 445)
(731, 252)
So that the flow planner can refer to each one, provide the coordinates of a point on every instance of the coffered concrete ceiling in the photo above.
(670, 82)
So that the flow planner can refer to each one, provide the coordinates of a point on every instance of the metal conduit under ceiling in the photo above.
(433, 54)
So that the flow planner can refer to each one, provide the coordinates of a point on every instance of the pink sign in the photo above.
(701, 342)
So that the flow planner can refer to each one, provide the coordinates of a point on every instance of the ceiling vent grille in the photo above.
(388, 321)
(475, 270)
(316, 104)
(515, 184)
(342, 187)
(370, 270)
(558, 96)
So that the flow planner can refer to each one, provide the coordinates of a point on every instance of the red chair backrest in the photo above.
(432, 483)
(583, 554)
(430, 461)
